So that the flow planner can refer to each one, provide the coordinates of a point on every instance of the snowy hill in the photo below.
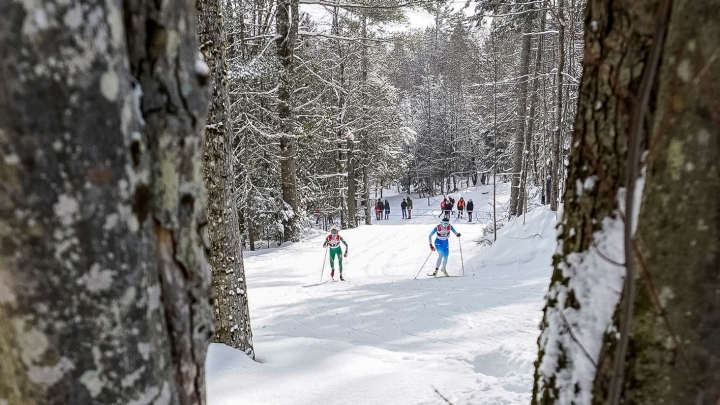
(383, 337)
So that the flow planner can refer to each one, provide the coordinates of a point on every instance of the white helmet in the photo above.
(334, 229)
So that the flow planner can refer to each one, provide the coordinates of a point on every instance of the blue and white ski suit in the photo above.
(441, 243)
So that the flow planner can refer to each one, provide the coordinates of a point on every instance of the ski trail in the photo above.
(383, 337)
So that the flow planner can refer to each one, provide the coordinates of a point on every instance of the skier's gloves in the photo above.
(345, 255)
(458, 234)
(432, 248)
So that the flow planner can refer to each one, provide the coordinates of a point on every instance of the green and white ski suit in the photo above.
(333, 242)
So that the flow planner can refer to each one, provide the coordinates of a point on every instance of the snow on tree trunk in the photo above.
(588, 266)
(531, 117)
(519, 145)
(286, 16)
(673, 350)
(104, 288)
(557, 131)
(366, 193)
(351, 180)
(230, 305)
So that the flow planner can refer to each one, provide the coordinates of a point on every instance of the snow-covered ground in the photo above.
(384, 338)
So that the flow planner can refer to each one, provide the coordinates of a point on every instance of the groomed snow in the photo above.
(384, 338)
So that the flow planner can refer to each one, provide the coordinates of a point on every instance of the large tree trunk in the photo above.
(531, 120)
(351, 158)
(557, 131)
(366, 195)
(588, 270)
(286, 16)
(230, 305)
(519, 145)
(674, 349)
(351, 186)
(104, 288)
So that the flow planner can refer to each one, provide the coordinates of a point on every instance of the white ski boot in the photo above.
(444, 272)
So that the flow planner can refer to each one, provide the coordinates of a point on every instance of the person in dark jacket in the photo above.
(387, 209)
(403, 208)
(469, 208)
(409, 207)
(379, 207)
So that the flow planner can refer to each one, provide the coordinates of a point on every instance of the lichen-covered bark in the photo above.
(679, 226)
(287, 20)
(230, 304)
(104, 290)
(618, 36)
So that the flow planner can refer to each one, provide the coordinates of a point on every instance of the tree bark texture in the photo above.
(104, 288)
(674, 352)
(230, 304)
(352, 186)
(557, 131)
(618, 37)
(522, 205)
(519, 146)
(286, 19)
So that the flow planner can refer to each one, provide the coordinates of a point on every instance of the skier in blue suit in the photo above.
(442, 244)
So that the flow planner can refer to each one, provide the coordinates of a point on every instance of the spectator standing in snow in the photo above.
(387, 209)
(461, 207)
(443, 204)
(409, 207)
(469, 208)
(403, 207)
(379, 209)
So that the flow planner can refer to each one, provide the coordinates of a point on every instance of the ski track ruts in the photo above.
(383, 308)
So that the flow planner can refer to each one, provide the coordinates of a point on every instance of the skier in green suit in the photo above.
(333, 242)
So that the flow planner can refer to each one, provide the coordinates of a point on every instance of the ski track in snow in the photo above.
(384, 338)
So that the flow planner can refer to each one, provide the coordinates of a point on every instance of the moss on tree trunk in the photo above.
(674, 348)
(104, 289)
(618, 36)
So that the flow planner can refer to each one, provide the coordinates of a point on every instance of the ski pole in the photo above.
(323, 266)
(461, 257)
(426, 260)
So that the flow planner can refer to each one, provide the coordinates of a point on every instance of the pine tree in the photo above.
(230, 306)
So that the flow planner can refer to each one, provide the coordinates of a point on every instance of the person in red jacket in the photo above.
(443, 208)
(460, 207)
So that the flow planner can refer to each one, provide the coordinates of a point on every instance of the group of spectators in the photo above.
(384, 207)
(381, 207)
(448, 204)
